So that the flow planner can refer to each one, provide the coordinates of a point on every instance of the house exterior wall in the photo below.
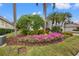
(70, 27)
(67, 27)
(4, 24)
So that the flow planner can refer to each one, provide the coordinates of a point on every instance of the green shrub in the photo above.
(68, 33)
(29, 32)
(5, 31)
(32, 32)
(25, 31)
(56, 29)
(36, 32)
(47, 30)
(37, 22)
(41, 32)
(33, 21)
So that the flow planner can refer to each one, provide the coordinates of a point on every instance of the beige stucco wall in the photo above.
(70, 27)
(4, 24)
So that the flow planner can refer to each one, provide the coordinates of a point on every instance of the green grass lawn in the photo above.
(69, 47)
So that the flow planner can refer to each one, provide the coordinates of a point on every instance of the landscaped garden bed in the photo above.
(41, 39)
(68, 47)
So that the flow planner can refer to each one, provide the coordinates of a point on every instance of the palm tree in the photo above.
(14, 17)
(59, 18)
(44, 13)
(55, 18)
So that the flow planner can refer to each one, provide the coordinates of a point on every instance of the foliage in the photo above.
(28, 22)
(33, 32)
(56, 29)
(68, 33)
(5, 31)
(25, 31)
(41, 32)
(24, 22)
(37, 22)
(36, 32)
(59, 17)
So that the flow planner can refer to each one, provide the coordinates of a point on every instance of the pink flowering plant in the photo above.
(41, 37)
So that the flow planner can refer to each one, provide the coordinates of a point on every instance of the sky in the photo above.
(6, 10)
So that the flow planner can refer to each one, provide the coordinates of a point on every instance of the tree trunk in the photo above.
(14, 17)
(44, 13)
(63, 26)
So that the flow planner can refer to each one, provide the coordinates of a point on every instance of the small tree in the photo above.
(24, 22)
(28, 22)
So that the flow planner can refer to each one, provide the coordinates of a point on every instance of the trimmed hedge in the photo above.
(33, 32)
(5, 31)
(56, 29)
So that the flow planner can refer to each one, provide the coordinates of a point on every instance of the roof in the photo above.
(4, 19)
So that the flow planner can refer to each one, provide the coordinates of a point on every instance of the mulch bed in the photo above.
(14, 42)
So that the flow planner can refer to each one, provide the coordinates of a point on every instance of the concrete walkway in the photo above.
(76, 34)
(3, 45)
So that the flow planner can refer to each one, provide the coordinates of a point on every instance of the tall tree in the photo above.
(44, 12)
(14, 17)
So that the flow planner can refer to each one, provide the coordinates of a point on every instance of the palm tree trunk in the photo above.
(14, 17)
(63, 27)
(44, 13)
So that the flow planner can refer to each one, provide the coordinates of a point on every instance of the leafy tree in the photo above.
(24, 22)
(27, 22)
(37, 22)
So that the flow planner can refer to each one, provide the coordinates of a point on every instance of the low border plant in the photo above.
(41, 37)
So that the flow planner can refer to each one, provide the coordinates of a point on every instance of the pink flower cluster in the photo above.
(43, 37)
(48, 36)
